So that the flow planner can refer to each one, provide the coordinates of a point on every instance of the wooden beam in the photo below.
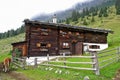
(68, 67)
(74, 62)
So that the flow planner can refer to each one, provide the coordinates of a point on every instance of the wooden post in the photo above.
(35, 62)
(118, 54)
(24, 63)
(64, 59)
(48, 59)
(95, 60)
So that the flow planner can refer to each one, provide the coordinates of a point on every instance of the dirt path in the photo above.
(17, 75)
(13, 75)
(117, 76)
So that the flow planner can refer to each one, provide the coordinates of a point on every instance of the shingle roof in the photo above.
(18, 42)
(69, 26)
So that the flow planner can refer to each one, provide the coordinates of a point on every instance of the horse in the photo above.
(6, 64)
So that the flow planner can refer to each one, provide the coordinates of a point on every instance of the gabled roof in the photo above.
(56, 25)
(17, 43)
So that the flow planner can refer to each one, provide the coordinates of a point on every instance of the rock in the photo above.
(50, 68)
(60, 71)
(56, 71)
(67, 72)
(86, 78)
(46, 69)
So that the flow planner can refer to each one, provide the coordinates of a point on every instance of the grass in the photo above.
(3, 77)
(42, 74)
(6, 47)
(112, 22)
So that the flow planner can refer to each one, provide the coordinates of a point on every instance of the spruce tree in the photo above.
(85, 22)
(93, 19)
(117, 6)
(75, 15)
(100, 15)
(67, 21)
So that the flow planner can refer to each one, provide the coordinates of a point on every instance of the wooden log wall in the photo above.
(22, 47)
(70, 37)
(42, 37)
(91, 37)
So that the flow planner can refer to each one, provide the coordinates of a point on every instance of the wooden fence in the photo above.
(20, 62)
(97, 60)
(108, 57)
(93, 62)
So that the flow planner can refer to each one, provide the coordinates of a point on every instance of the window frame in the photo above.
(65, 45)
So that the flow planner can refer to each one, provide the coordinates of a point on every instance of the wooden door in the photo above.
(79, 48)
(73, 48)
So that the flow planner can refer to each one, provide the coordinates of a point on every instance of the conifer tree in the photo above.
(75, 15)
(93, 19)
(117, 6)
(85, 22)
(67, 20)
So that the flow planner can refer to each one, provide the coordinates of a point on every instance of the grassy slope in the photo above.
(6, 47)
(112, 22)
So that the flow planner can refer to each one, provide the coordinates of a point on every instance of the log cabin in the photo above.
(42, 38)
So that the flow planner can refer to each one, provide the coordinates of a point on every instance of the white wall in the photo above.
(102, 46)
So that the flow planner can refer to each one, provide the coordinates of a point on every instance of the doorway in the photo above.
(77, 48)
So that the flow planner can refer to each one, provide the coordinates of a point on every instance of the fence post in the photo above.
(24, 63)
(95, 60)
(35, 62)
(64, 59)
(118, 53)
(48, 59)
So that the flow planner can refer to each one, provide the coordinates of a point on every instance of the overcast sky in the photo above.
(13, 12)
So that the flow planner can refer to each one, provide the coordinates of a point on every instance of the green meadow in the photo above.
(111, 22)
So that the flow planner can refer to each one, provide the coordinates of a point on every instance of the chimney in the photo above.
(54, 19)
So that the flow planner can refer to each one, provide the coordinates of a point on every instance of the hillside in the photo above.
(112, 21)
(6, 47)
(62, 15)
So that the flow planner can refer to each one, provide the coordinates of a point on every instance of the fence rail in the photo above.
(110, 56)
(74, 62)
(106, 57)
(68, 67)
(97, 60)
(20, 62)
(93, 62)
(75, 56)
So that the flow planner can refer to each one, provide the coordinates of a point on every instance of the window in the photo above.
(65, 34)
(65, 45)
(77, 33)
(44, 31)
(94, 47)
(62, 32)
(38, 45)
(43, 45)
(69, 33)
